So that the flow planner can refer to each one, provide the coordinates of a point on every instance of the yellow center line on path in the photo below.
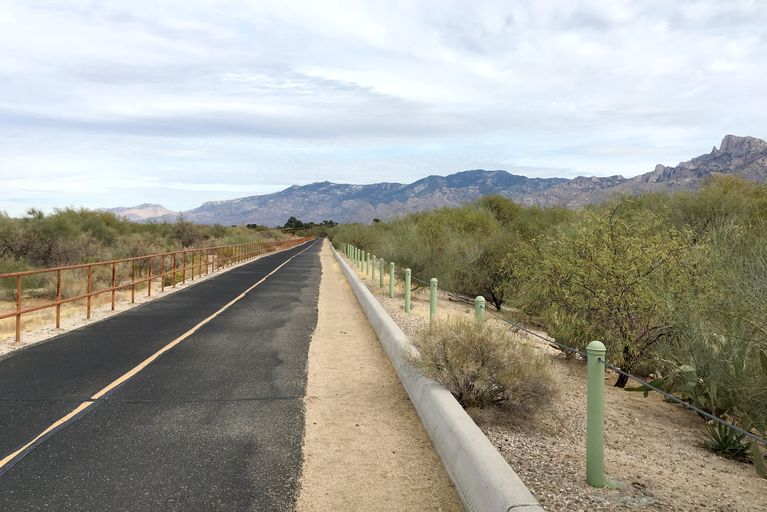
(135, 370)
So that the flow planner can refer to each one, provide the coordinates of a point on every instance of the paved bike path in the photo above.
(216, 423)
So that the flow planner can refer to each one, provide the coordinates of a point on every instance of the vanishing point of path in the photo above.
(199, 401)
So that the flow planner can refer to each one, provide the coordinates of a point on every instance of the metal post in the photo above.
(373, 270)
(114, 283)
(149, 276)
(479, 308)
(432, 302)
(19, 291)
(391, 279)
(58, 298)
(88, 299)
(595, 415)
(408, 275)
(366, 257)
(381, 265)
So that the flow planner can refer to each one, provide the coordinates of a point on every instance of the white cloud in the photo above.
(243, 97)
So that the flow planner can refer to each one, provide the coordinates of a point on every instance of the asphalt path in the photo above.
(214, 423)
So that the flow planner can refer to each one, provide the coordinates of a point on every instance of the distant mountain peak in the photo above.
(142, 212)
(739, 146)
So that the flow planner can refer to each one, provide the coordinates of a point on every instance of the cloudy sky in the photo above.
(115, 103)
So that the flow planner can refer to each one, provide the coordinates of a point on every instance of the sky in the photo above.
(177, 102)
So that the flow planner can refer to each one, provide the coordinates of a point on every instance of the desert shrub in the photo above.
(609, 276)
(722, 328)
(484, 365)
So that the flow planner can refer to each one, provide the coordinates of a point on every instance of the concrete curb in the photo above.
(483, 479)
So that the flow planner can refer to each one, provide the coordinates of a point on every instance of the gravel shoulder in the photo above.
(653, 448)
(364, 445)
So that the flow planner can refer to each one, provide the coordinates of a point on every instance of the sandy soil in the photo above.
(39, 326)
(653, 448)
(364, 445)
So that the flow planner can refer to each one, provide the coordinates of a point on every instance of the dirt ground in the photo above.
(653, 448)
(364, 445)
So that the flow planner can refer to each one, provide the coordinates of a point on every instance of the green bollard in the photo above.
(373, 270)
(381, 273)
(408, 274)
(479, 308)
(595, 415)
(366, 257)
(432, 302)
(391, 279)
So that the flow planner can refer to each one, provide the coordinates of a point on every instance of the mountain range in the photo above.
(740, 156)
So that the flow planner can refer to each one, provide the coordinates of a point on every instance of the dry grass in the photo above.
(484, 365)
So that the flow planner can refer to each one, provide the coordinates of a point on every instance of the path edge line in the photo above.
(484, 480)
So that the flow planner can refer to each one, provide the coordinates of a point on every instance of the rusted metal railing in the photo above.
(173, 267)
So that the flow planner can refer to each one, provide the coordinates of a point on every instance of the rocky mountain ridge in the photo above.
(741, 156)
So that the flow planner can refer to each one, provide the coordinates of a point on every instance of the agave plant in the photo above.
(726, 441)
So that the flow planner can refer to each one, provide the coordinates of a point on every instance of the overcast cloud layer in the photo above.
(177, 102)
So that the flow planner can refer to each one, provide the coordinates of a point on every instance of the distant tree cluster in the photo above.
(294, 223)
(71, 236)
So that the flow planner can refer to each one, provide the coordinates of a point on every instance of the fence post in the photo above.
(373, 270)
(19, 292)
(595, 415)
(391, 279)
(90, 289)
(479, 308)
(58, 295)
(381, 273)
(432, 302)
(367, 263)
(408, 277)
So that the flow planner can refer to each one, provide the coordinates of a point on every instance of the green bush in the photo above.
(483, 365)
(609, 276)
